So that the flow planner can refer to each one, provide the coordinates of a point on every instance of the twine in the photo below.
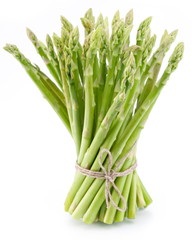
(110, 174)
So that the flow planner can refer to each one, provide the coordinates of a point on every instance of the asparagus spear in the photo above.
(115, 45)
(129, 22)
(142, 34)
(166, 41)
(125, 193)
(44, 56)
(89, 94)
(52, 55)
(147, 49)
(88, 22)
(140, 197)
(65, 87)
(100, 65)
(46, 86)
(132, 198)
(66, 25)
(75, 87)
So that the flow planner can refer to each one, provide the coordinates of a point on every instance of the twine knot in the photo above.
(109, 175)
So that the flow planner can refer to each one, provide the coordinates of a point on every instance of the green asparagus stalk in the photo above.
(88, 22)
(147, 50)
(129, 22)
(52, 55)
(140, 198)
(166, 41)
(65, 87)
(120, 215)
(100, 66)
(75, 88)
(66, 25)
(41, 51)
(89, 94)
(132, 198)
(117, 35)
(48, 88)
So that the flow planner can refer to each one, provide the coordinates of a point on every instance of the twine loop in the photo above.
(109, 174)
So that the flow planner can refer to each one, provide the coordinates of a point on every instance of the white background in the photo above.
(37, 155)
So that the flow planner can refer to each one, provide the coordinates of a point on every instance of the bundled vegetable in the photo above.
(103, 91)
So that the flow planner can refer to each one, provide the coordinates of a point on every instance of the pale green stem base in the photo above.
(91, 205)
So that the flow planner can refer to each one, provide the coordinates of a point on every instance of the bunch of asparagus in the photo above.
(103, 91)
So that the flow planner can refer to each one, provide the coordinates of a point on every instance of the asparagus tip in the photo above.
(146, 22)
(175, 58)
(66, 24)
(74, 39)
(31, 35)
(116, 17)
(11, 48)
(89, 13)
(174, 34)
(143, 30)
(48, 38)
(129, 17)
(57, 42)
(88, 21)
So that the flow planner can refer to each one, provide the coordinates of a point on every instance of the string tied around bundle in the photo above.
(109, 174)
